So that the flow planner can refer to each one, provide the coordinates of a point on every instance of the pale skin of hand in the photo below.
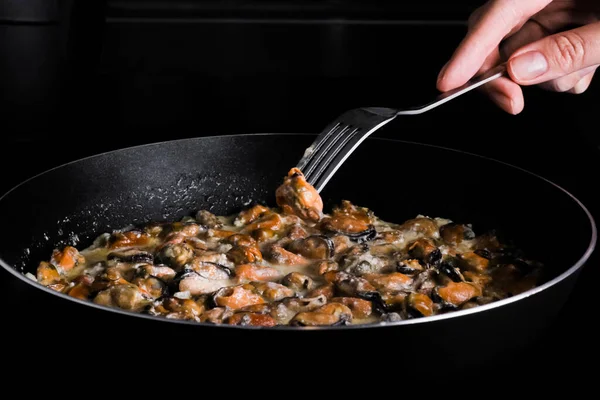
(553, 44)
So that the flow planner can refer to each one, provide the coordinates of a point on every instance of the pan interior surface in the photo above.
(397, 180)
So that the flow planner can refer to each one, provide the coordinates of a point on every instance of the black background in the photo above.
(83, 79)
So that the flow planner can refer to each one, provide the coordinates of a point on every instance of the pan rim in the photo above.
(431, 319)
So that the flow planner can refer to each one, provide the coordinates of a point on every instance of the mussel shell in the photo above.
(329, 245)
(131, 256)
(223, 268)
(407, 270)
(375, 298)
(449, 267)
(364, 236)
(343, 320)
(437, 299)
(212, 298)
(434, 257)
(484, 253)
(186, 272)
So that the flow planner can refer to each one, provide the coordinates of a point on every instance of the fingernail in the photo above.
(528, 66)
(503, 101)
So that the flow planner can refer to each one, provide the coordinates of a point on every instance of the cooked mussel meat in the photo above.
(471, 261)
(208, 219)
(331, 314)
(240, 254)
(125, 296)
(454, 233)
(151, 286)
(234, 297)
(251, 319)
(409, 266)
(272, 291)
(175, 255)
(360, 308)
(300, 304)
(316, 247)
(425, 250)
(455, 294)
(296, 196)
(206, 281)
(297, 282)
(419, 305)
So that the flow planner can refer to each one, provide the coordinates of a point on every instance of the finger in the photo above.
(475, 15)
(500, 19)
(506, 94)
(479, 12)
(555, 56)
(583, 84)
(545, 24)
(568, 82)
(530, 32)
(494, 86)
(561, 19)
(502, 91)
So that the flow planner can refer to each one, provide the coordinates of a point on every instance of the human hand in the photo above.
(536, 39)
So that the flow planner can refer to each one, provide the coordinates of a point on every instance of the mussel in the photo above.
(125, 296)
(297, 282)
(425, 250)
(454, 233)
(210, 270)
(409, 266)
(472, 262)
(316, 247)
(302, 304)
(208, 219)
(131, 256)
(360, 308)
(272, 291)
(240, 254)
(419, 305)
(455, 294)
(332, 314)
(175, 255)
(251, 319)
(375, 298)
(235, 297)
(449, 267)
(189, 280)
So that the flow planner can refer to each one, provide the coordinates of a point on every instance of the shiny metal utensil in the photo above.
(340, 138)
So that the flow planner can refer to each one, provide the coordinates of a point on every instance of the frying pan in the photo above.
(74, 203)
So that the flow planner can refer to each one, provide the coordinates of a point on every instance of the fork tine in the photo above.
(332, 142)
(332, 154)
(338, 140)
(317, 144)
(338, 155)
(336, 158)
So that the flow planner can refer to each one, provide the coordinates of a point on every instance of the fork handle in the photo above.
(482, 79)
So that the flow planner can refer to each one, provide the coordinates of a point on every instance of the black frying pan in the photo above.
(397, 180)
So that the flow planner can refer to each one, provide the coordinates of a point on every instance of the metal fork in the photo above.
(340, 138)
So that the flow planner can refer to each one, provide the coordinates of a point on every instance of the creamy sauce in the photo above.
(219, 269)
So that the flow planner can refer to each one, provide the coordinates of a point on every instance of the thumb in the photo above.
(556, 55)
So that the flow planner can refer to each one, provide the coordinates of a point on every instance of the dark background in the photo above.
(82, 77)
